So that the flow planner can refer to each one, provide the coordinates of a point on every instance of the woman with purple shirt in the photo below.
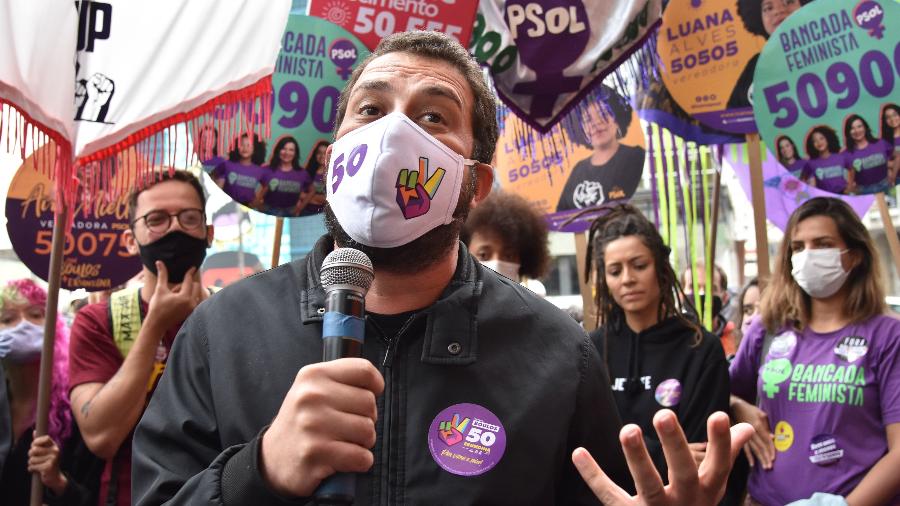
(821, 364)
(867, 157)
(316, 168)
(789, 158)
(826, 169)
(283, 184)
(239, 176)
(890, 132)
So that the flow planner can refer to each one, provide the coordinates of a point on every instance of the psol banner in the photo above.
(95, 256)
(708, 51)
(828, 87)
(544, 56)
(602, 163)
(372, 20)
(285, 177)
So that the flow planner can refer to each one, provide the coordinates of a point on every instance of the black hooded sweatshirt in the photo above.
(642, 368)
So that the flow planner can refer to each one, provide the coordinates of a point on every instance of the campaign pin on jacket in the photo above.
(390, 182)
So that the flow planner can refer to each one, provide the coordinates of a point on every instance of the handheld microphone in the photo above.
(346, 276)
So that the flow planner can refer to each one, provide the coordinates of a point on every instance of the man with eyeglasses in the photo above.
(119, 347)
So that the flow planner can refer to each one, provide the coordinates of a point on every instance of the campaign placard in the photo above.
(598, 159)
(95, 256)
(708, 51)
(286, 175)
(373, 20)
(828, 84)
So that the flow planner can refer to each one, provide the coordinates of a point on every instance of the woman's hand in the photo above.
(43, 458)
(761, 447)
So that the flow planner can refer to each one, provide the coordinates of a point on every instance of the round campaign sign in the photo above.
(708, 50)
(596, 160)
(466, 439)
(286, 176)
(95, 257)
(827, 88)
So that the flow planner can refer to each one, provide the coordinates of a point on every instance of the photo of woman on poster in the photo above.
(760, 17)
(827, 166)
(613, 170)
(316, 169)
(789, 157)
(283, 181)
(890, 131)
(867, 158)
(239, 176)
(207, 149)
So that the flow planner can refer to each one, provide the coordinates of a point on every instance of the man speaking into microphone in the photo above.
(470, 389)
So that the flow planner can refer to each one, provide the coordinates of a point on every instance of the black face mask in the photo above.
(177, 250)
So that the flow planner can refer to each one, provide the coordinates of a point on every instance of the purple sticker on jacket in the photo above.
(668, 393)
(466, 439)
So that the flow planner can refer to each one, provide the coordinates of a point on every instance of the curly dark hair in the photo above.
(438, 46)
(610, 103)
(834, 144)
(518, 225)
(621, 221)
(259, 150)
(848, 123)
(750, 12)
(275, 161)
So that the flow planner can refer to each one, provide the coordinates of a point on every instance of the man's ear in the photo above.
(131, 244)
(484, 176)
(210, 235)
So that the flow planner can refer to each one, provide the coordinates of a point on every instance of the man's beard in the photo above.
(419, 254)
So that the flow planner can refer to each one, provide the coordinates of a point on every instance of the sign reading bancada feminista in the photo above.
(95, 257)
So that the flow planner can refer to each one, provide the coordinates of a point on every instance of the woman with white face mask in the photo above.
(821, 364)
(507, 234)
(60, 457)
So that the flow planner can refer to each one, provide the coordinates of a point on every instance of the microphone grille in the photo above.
(347, 267)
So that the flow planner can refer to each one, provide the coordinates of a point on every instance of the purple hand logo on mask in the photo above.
(414, 192)
(869, 16)
(550, 35)
(343, 54)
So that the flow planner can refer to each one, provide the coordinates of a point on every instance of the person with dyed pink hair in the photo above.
(22, 316)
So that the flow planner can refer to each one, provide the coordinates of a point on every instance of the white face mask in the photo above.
(508, 269)
(22, 343)
(819, 272)
(390, 182)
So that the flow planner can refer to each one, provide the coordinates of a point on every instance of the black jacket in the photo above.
(638, 363)
(237, 355)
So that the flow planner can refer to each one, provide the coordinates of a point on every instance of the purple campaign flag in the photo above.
(784, 193)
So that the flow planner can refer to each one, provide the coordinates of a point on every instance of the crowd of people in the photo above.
(865, 165)
(169, 393)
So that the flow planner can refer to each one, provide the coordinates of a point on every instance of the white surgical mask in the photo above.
(819, 272)
(390, 182)
(22, 343)
(508, 269)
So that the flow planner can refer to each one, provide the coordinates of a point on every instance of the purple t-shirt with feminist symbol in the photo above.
(828, 396)
(283, 188)
(241, 181)
(799, 169)
(830, 173)
(870, 163)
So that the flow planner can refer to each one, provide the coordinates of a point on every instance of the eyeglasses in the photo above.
(159, 221)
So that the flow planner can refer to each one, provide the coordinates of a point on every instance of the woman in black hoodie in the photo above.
(656, 357)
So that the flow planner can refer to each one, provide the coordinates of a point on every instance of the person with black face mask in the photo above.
(120, 346)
